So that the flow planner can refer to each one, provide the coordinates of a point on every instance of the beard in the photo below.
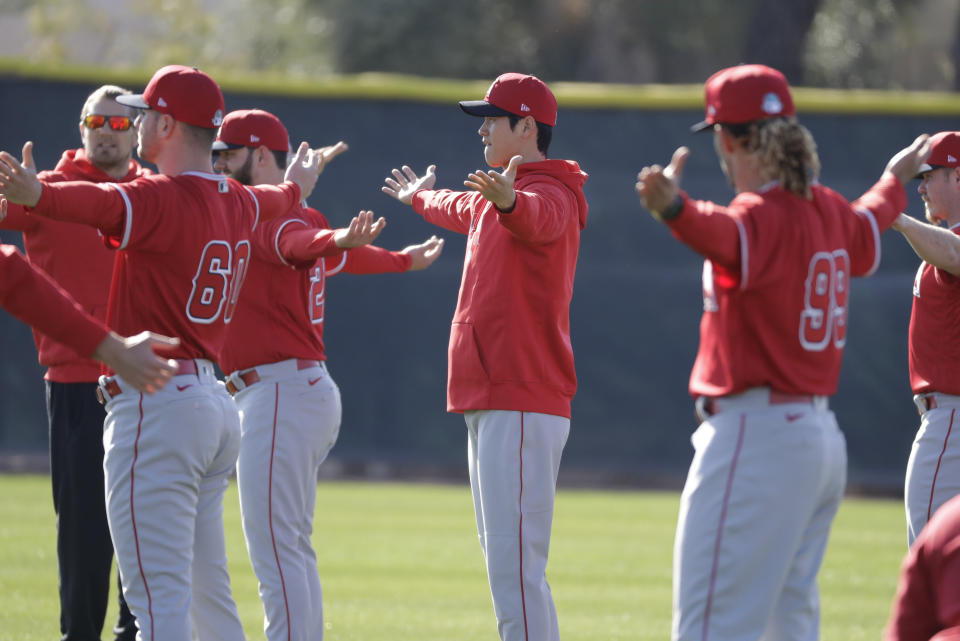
(109, 158)
(243, 174)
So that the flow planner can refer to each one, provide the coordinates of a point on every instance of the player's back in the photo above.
(184, 252)
(781, 320)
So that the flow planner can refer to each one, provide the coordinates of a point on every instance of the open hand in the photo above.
(496, 187)
(304, 169)
(361, 231)
(18, 181)
(424, 254)
(135, 359)
(906, 163)
(328, 153)
(659, 186)
(405, 183)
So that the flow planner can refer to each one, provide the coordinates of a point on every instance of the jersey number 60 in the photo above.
(213, 286)
(824, 316)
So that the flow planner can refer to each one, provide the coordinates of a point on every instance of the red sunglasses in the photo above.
(117, 123)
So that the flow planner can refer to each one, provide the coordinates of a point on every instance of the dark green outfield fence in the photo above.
(637, 297)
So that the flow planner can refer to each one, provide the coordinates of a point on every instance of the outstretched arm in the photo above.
(938, 246)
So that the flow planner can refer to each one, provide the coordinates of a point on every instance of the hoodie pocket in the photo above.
(466, 359)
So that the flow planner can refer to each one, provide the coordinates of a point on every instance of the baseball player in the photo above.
(33, 297)
(769, 467)
(927, 604)
(77, 259)
(511, 369)
(933, 469)
(289, 403)
(183, 241)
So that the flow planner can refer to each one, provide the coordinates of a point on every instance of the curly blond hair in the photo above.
(787, 153)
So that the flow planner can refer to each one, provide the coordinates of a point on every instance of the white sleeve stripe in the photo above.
(276, 239)
(336, 270)
(128, 223)
(744, 254)
(256, 204)
(866, 213)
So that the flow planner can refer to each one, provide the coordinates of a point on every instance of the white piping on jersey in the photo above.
(744, 254)
(276, 238)
(256, 218)
(336, 270)
(128, 222)
(863, 211)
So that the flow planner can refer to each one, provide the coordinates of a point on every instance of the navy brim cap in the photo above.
(219, 145)
(703, 125)
(483, 109)
(925, 167)
(133, 100)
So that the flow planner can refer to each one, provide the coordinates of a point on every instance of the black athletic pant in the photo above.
(84, 549)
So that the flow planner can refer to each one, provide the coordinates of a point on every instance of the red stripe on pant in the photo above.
(723, 518)
(933, 484)
(523, 598)
(273, 539)
(133, 518)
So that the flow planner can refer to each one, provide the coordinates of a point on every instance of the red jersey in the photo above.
(934, 337)
(510, 343)
(928, 594)
(281, 314)
(184, 248)
(74, 255)
(776, 283)
(33, 297)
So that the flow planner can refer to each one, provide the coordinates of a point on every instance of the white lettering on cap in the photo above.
(772, 104)
(161, 102)
(254, 138)
(523, 107)
(950, 158)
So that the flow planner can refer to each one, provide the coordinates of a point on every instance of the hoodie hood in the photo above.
(566, 171)
(74, 163)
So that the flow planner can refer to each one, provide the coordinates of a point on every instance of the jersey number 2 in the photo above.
(218, 280)
(824, 316)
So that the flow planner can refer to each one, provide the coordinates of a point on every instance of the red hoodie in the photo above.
(75, 256)
(510, 340)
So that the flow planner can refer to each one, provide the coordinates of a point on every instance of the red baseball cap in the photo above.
(944, 152)
(745, 93)
(186, 93)
(517, 94)
(252, 128)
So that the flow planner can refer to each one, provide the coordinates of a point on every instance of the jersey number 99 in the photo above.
(824, 317)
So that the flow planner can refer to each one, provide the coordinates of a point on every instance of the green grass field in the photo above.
(401, 562)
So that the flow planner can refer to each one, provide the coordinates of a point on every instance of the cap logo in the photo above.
(254, 138)
(950, 158)
(218, 118)
(711, 110)
(523, 107)
(772, 104)
(161, 102)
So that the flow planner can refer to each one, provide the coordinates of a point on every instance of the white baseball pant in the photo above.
(513, 459)
(933, 469)
(755, 514)
(167, 460)
(290, 420)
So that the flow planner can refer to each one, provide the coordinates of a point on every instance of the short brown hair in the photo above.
(106, 91)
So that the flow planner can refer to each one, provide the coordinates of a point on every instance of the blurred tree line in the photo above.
(887, 44)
